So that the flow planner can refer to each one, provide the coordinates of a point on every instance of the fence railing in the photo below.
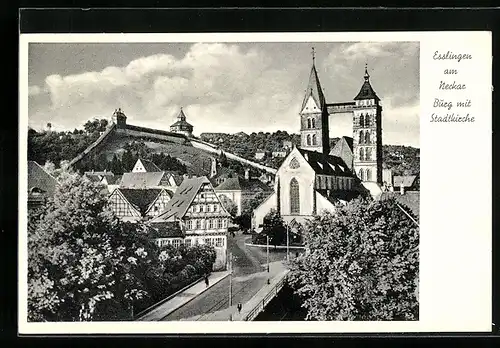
(262, 304)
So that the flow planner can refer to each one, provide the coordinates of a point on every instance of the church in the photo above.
(313, 177)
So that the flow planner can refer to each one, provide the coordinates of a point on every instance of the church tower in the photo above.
(367, 133)
(314, 134)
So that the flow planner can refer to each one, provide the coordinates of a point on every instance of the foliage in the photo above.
(82, 259)
(274, 228)
(360, 264)
(229, 205)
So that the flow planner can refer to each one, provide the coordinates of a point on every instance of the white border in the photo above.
(455, 271)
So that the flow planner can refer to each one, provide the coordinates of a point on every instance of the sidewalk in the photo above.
(261, 294)
(182, 298)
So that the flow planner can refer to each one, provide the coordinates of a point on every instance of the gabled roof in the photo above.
(165, 229)
(114, 180)
(366, 91)
(344, 143)
(141, 180)
(148, 165)
(242, 184)
(325, 164)
(179, 204)
(40, 179)
(406, 180)
(141, 199)
(410, 200)
(314, 90)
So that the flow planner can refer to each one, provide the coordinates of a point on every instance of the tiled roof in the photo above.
(141, 180)
(149, 166)
(181, 123)
(325, 164)
(141, 199)
(406, 181)
(366, 91)
(344, 143)
(238, 183)
(165, 229)
(179, 204)
(40, 179)
(314, 90)
(114, 180)
(410, 200)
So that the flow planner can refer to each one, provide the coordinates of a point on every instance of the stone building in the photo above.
(181, 126)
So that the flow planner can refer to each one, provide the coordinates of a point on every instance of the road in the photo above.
(249, 275)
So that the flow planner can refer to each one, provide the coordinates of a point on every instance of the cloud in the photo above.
(34, 90)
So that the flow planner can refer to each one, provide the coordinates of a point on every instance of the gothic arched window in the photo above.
(368, 175)
(313, 123)
(367, 137)
(294, 197)
(361, 154)
(361, 137)
(361, 174)
(362, 120)
(308, 139)
(368, 154)
(367, 121)
(308, 123)
(314, 139)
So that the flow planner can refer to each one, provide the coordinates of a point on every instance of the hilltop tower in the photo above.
(314, 134)
(181, 125)
(119, 118)
(367, 133)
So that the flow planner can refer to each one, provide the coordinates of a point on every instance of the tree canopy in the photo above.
(360, 264)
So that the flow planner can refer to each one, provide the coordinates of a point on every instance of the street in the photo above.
(249, 275)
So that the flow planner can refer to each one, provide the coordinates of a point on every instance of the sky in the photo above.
(222, 87)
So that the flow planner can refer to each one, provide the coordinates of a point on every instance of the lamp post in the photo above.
(287, 245)
(267, 241)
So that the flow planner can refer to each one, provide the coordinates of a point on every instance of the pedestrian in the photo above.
(206, 280)
(239, 307)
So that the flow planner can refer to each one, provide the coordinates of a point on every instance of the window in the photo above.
(210, 208)
(368, 174)
(176, 243)
(361, 174)
(197, 208)
(367, 121)
(361, 137)
(314, 139)
(219, 223)
(198, 224)
(368, 154)
(294, 197)
(313, 123)
(362, 120)
(367, 137)
(308, 139)
(202, 208)
(224, 223)
(361, 154)
(210, 224)
(219, 242)
(308, 123)
(216, 207)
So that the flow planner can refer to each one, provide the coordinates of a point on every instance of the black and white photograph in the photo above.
(223, 181)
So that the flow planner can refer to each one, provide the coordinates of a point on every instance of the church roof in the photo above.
(366, 91)
(314, 90)
(325, 164)
(341, 144)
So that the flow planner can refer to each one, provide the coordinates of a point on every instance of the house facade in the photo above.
(200, 216)
(138, 204)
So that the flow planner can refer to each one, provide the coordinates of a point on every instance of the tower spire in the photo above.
(367, 76)
(313, 53)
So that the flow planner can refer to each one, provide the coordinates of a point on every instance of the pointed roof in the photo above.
(325, 164)
(141, 199)
(314, 89)
(141, 180)
(366, 91)
(343, 144)
(181, 120)
(149, 166)
(181, 201)
(38, 178)
(240, 184)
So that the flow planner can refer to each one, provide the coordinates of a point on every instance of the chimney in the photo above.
(247, 174)
(402, 189)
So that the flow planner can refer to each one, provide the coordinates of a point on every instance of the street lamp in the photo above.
(267, 241)
(287, 245)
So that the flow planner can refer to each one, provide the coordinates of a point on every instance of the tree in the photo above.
(82, 260)
(360, 264)
(274, 227)
(229, 205)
